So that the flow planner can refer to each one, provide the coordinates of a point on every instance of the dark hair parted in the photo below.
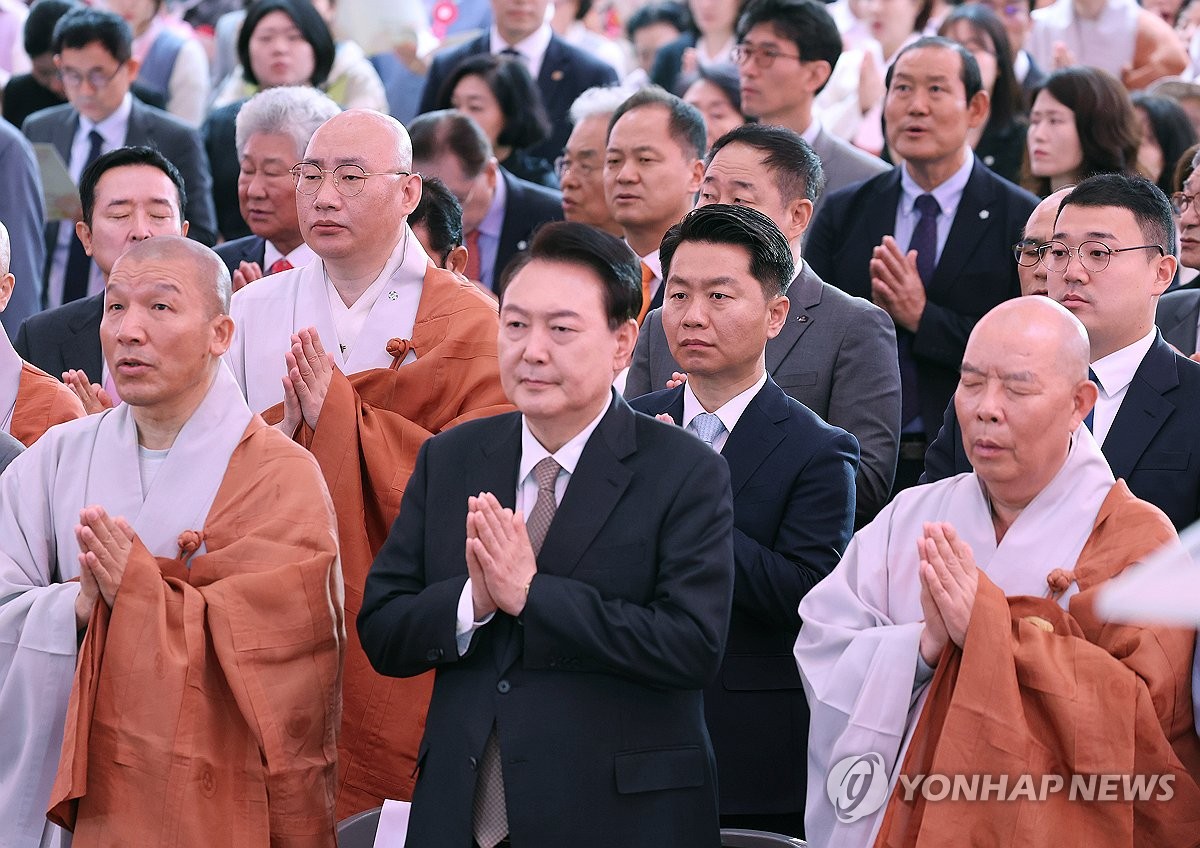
(805, 23)
(1172, 131)
(608, 257)
(684, 121)
(441, 213)
(83, 26)
(450, 131)
(525, 121)
(722, 75)
(44, 15)
(1105, 122)
(120, 158)
(1144, 199)
(739, 226)
(968, 70)
(669, 13)
(985, 24)
(793, 164)
(307, 19)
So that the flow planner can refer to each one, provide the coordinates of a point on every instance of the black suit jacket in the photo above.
(595, 692)
(526, 208)
(65, 337)
(247, 249)
(669, 60)
(1176, 316)
(792, 478)
(219, 132)
(975, 272)
(566, 73)
(1153, 444)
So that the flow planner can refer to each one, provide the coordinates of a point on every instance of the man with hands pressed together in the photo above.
(567, 571)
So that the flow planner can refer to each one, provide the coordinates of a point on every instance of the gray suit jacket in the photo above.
(1177, 314)
(843, 163)
(22, 212)
(10, 448)
(836, 355)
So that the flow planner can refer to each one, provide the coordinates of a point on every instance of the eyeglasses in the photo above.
(1094, 256)
(348, 179)
(96, 78)
(582, 169)
(764, 57)
(1180, 202)
(1027, 252)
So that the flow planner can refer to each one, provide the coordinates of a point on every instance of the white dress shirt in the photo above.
(729, 413)
(298, 258)
(948, 195)
(1115, 373)
(532, 49)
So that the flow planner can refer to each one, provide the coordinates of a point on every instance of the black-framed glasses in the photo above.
(1027, 252)
(1180, 202)
(583, 169)
(1094, 256)
(96, 78)
(348, 178)
(764, 57)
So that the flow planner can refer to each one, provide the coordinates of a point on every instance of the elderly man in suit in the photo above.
(792, 479)
(93, 54)
(567, 570)
(499, 211)
(520, 29)
(835, 353)
(273, 131)
(931, 240)
(785, 54)
(1144, 418)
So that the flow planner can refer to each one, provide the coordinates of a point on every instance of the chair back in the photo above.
(358, 831)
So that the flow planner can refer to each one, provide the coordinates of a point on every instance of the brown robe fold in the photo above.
(205, 705)
(42, 402)
(372, 424)
(1042, 691)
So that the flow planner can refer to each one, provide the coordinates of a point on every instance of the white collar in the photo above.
(533, 48)
(298, 258)
(114, 127)
(1115, 371)
(948, 194)
(729, 413)
(533, 451)
(655, 264)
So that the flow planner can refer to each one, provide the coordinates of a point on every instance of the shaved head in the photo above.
(379, 133)
(203, 267)
(1038, 322)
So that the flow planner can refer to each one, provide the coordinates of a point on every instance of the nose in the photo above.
(139, 226)
(535, 345)
(327, 197)
(129, 327)
(695, 312)
(258, 185)
(988, 406)
(628, 171)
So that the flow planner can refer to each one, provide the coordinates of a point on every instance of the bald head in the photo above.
(1042, 327)
(1039, 229)
(198, 265)
(362, 131)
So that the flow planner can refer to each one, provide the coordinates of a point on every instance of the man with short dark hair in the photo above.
(437, 223)
(499, 210)
(652, 171)
(930, 241)
(1178, 312)
(93, 55)
(793, 494)
(567, 570)
(835, 353)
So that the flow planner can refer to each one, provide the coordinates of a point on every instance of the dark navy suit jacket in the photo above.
(65, 337)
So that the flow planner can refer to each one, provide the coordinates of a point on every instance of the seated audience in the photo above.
(716, 91)
(1166, 134)
(581, 167)
(437, 223)
(709, 41)
(648, 29)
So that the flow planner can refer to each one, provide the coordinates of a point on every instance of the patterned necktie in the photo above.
(473, 271)
(924, 242)
(707, 426)
(647, 278)
(79, 265)
(279, 265)
(489, 814)
(1087, 422)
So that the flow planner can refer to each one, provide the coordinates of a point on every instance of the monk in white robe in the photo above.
(169, 592)
(936, 644)
(362, 356)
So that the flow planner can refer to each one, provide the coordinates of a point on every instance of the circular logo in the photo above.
(857, 786)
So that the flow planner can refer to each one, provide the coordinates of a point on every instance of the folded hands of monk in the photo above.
(949, 581)
(309, 373)
(104, 547)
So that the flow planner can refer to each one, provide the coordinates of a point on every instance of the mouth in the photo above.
(129, 366)
(319, 227)
(1071, 299)
(534, 383)
(985, 448)
(694, 344)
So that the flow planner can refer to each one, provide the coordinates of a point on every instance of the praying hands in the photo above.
(949, 582)
(309, 373)
(500, 558)
(104, 545)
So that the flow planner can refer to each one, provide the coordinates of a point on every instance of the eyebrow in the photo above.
(1006, 376)
(340, 160)
(524, 313)
(641, 148)
(129, 201)
(705, 283)
(739, 183)
(1094, 234)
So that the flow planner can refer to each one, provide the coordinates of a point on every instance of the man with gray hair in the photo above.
(273, 129)
(581, 167)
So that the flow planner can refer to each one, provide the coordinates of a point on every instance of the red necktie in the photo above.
(473, 271)
(279, 265)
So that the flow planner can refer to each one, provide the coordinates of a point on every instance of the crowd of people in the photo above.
(597, 424)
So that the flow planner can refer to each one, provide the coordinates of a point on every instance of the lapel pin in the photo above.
(983, 214)
(556, 76)
(802, 318)
(392, 295)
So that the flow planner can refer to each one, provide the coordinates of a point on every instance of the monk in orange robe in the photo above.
(362, 355)
(199, 551)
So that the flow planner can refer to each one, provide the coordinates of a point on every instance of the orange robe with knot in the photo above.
(371, 426)
(205, 705)
(1043, 691)
(42, 402)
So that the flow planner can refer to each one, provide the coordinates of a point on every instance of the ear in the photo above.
(1085, 396)
(697, 177)
(456, 260)
(134, 66)
(627, 335)
(816, 74)
(492, 169)
(797, 217)
(222, 335)
(84, 232)
(6, 289)
(183, 229)
(411, 190)
(1167, 266)
(978, 108)
(777, 312)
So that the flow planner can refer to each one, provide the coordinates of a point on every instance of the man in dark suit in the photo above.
(930, 241)
(562, 71)
(792, 479)
(571, 645)
(836, 354)
(93, 53)
(1179, 311)
(128, 194)
(499, 211)
(1145, 416)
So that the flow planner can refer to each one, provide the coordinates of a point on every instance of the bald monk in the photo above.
(31, 401)
(957, 635)
(365, 354)
(170, 595)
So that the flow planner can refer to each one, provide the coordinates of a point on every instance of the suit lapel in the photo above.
(1144, 410)
(755, 435)
(803, 294)
(81, 344)
(971, 221)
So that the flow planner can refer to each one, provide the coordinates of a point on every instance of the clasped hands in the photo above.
(500, 558)
(104, 547)
(949, 582)
(896, 285)
(306, 383)
(92, 395)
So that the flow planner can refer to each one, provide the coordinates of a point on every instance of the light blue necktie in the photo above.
(707, 426)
